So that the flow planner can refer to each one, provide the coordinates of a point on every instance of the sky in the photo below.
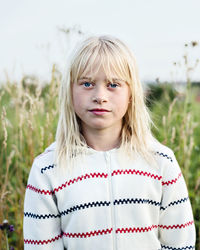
(156, 31)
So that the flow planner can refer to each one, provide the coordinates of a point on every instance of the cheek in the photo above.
(123, 100)
(123, 104)
(77, 104)
(76, 97)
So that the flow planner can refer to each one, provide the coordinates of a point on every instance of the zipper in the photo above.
(108, 163)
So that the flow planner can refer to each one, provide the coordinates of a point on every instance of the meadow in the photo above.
(29, 115)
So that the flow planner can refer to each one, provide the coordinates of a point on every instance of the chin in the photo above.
(99, 126)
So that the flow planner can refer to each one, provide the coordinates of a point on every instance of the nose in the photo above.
(98, 100)
(99, 95)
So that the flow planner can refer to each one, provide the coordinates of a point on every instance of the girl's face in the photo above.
(99, 103)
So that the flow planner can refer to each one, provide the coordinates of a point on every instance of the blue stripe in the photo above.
(92, 204)
(164, 155)
(136, 200)
(179, 248)
(47, 167)
(41, 216)
(85, 205)
(175, 203)
(70, 210)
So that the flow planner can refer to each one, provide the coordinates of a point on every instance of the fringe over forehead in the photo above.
(106, 51)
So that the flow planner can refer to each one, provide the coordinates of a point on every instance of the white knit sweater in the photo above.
(105, 203)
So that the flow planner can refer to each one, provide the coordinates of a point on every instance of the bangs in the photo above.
(102, 54)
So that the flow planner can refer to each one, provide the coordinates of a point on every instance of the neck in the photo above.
(102, 140)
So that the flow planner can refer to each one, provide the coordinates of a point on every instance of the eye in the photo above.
(87, 84)
(113, 85)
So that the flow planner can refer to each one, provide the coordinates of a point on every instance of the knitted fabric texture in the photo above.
(103, 204)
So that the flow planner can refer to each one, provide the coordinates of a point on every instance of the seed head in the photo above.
(194, 43)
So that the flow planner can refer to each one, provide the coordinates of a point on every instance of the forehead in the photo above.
(103, 69)
(95, 74)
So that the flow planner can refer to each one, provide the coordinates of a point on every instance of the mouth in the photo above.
(99, 111)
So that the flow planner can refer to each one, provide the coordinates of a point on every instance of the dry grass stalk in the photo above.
(5, 133)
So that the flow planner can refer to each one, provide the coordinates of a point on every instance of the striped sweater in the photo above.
(108, 203)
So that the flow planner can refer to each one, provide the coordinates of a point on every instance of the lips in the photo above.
(99, 111)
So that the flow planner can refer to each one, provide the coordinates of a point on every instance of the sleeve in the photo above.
(41, 225)
(176, 223)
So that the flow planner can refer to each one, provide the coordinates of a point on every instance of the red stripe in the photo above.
(177, 226)
(133, 171)
(172, 181)
(88, 234)
(40, 191)
(101, 175)
(146, 229)
(136, 229)
(108, 231)
(42, 242)
(67, 183)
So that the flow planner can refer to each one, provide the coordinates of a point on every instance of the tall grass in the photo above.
(28, 124)
(178, 126)
(29, 117)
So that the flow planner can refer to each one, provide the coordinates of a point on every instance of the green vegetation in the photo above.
(177, 121)
(29, 117)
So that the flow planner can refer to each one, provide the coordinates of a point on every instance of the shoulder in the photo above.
(162, 152)
(46, 160)
(166, 160)
(42, 170)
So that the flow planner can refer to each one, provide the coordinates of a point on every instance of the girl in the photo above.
(106, 183)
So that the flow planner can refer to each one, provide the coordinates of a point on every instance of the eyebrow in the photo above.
(85, 78)
(90, 79)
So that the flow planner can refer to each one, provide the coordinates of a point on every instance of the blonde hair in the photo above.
(108, 52)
